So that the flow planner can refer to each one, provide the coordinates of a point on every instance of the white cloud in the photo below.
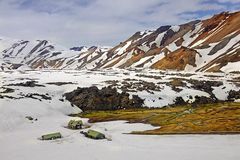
(93, 22)
(231, 1)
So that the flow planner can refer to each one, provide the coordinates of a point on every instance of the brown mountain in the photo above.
(211, 45)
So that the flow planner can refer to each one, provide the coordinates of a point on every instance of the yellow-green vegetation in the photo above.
(221, 118)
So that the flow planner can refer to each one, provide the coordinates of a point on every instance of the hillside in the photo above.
(210, 45)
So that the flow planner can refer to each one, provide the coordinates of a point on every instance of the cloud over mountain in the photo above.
(98, 22)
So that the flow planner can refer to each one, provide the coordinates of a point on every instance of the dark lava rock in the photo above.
(37, 96)
(204, 100)
(60, 83)
(198, 100)
(179, 101)
(134, 85)
(106, 98)
(233, 95)
(62, 100)
(29, 118)
(205, 86)
(27, 84)
(7, 90)
(6, 96)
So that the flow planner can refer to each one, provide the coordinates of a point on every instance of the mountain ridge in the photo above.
(210, 45)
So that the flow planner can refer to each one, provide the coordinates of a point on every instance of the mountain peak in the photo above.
(211, 45)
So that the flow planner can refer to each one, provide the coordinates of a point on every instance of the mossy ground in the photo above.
(221, 118)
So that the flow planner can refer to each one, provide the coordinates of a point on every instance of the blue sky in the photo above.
(99, 22)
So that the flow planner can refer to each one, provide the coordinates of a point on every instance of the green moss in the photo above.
(209, 118)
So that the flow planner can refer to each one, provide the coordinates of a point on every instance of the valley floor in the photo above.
(22, 144)
(43, 101)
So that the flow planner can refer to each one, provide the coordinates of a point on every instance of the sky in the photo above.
(99, 22)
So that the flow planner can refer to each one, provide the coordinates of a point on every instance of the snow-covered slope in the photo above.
(18, 54)
(45, 104)
(211, 45)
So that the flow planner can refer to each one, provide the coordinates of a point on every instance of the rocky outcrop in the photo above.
(205, 100)
(233, 95)
(106, 98)
(179, 101)
(60, 83)
(177, 60)
(27, 84)
(205, 86)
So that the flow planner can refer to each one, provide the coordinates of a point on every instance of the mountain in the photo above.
(44, 54)
(211, 45)
(208, 45)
